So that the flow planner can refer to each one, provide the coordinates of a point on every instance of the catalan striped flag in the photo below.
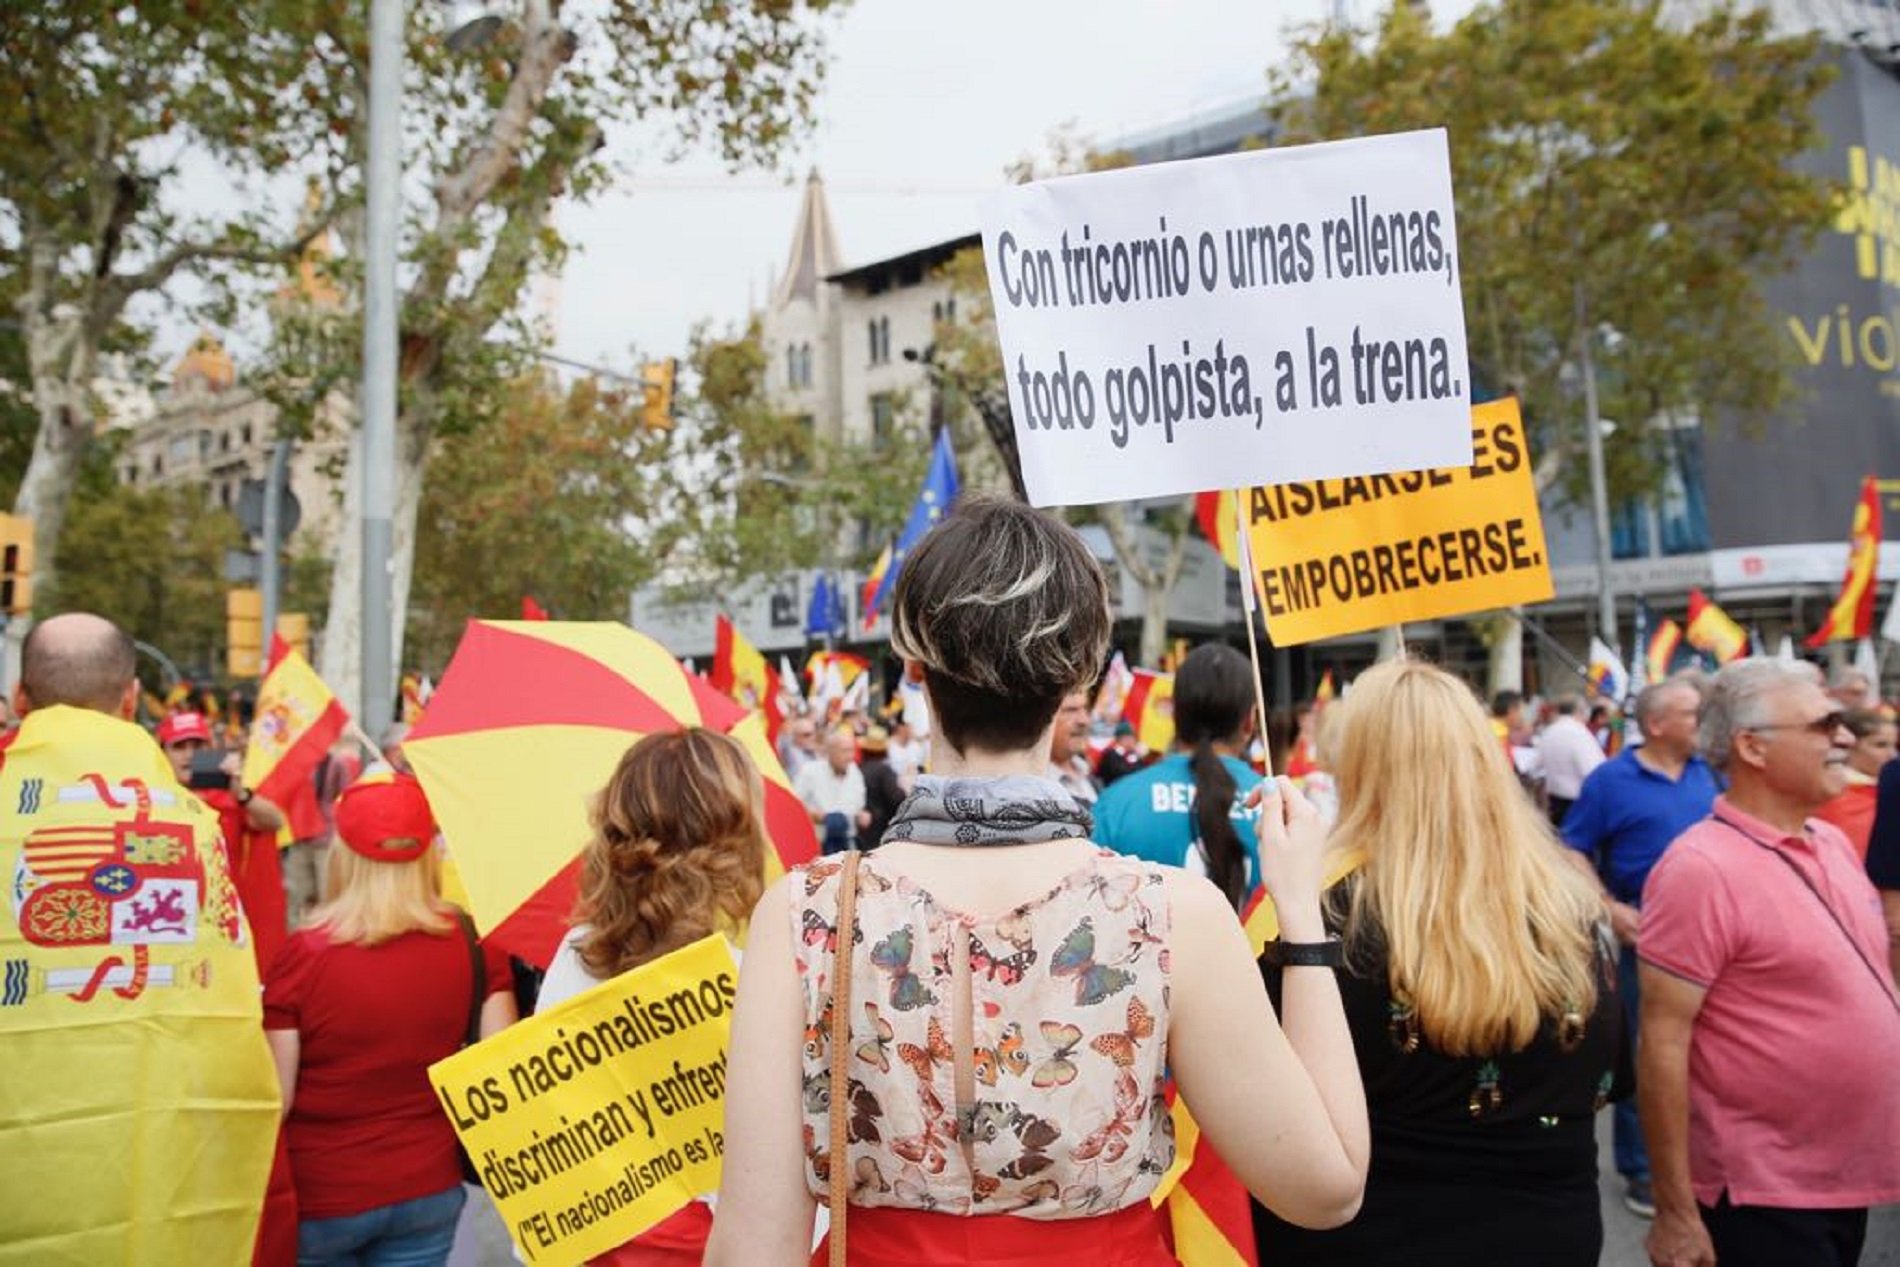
(1852, 615)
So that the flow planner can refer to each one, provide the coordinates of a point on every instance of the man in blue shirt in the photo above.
(1627, 812)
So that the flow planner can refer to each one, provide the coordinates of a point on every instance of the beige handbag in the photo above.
(840, 1187)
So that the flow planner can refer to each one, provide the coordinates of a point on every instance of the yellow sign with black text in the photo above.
(596, 1119)
(1340, 556)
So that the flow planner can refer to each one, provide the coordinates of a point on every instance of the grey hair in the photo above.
(1649, 700)
(1567, 705)
(1737, 700)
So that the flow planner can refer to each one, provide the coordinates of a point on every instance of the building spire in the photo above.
(814, 254)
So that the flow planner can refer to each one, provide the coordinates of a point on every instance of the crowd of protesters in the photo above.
(1485, 925)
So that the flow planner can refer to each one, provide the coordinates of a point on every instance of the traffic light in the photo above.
(16, 565)
(657, 380)
(244, 632)
(294, 629)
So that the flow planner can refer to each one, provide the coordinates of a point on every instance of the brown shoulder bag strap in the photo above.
(840, 1186)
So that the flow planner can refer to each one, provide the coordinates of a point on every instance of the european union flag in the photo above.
(933, 502)
(825, 617)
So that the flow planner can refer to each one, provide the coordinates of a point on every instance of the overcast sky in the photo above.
(925, 106)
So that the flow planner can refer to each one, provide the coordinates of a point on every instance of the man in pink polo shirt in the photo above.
(1770, 1024)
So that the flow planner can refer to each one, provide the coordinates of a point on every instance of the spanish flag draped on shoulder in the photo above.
(139, 1110)
(296, 722)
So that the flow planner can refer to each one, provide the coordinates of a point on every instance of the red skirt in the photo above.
(678, 1241)
(883, 1237)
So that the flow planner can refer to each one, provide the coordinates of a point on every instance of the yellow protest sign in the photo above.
(1342, 555)
(600, 1117)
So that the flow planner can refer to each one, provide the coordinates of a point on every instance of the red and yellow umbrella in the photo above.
(521, 735)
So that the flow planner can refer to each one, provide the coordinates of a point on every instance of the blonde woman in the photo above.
(678, 853)
(376, 988)
(1479, 986)
(1016, 993)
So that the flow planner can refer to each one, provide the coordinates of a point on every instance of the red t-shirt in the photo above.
(257, 873)
(365, 1127)
(1853, 812)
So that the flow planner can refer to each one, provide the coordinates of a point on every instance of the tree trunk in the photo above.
(65, 430)
(1157, 583)
(1507, 655)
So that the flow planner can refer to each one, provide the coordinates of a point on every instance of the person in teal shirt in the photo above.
(1188, 809)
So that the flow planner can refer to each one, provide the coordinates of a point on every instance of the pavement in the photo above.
(484, 1242)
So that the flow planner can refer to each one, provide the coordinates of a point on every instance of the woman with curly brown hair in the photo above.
(678, 853)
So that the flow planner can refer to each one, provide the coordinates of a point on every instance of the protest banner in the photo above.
(592, 1121)
(1255, 318)
(1339, 556)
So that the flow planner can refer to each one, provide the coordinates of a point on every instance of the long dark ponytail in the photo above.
(1213, 694)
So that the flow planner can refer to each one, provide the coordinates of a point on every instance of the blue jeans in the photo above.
(1626, 1131)
(416, 1233)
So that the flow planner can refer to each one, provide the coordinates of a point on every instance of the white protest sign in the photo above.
(1256, 318)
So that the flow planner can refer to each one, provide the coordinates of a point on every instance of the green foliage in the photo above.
(151, 560)
(544, 502)
(1596, 147)
(760, 492)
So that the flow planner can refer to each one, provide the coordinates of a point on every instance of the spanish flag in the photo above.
(296, 722)
(139, 1110)
(1852, 615)
(1326, 692)
(741, 672)
(1149, 708)
(1712, 630)
(1219, 520)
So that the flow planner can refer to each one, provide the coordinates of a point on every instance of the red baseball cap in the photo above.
(180, 727)
(385, 816)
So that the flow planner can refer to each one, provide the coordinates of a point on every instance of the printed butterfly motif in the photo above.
(1114, 891)
(1075, 957)
(820, 1158)
(984, 1186)
(935, 1051)
(866, 1177)
(1110, 1142)
(929, 1148)
(1086, 1193)
(892, 955)
(1041, 1190)
(913, 1190)
(1120, 1047)
(878, 1050)
(1059, 1069)
(1008, 969)
(1008, 1056)
(818, 1035)
(865, 1111)
(814, 931)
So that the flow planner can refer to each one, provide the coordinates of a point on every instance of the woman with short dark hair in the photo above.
(1015, 994)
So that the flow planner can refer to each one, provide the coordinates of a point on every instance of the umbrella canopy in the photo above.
(520, 737)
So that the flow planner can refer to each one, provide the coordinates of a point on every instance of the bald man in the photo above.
(141, 1033)
(81, 660)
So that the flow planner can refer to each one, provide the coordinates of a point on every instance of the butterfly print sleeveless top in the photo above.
(1061, 1113)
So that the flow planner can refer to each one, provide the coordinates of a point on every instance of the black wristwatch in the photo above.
(1330, 953)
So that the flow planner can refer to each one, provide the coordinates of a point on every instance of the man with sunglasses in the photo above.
(1771, 1028)
(1627, 811)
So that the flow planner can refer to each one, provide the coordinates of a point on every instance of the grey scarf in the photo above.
(1016, 809)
